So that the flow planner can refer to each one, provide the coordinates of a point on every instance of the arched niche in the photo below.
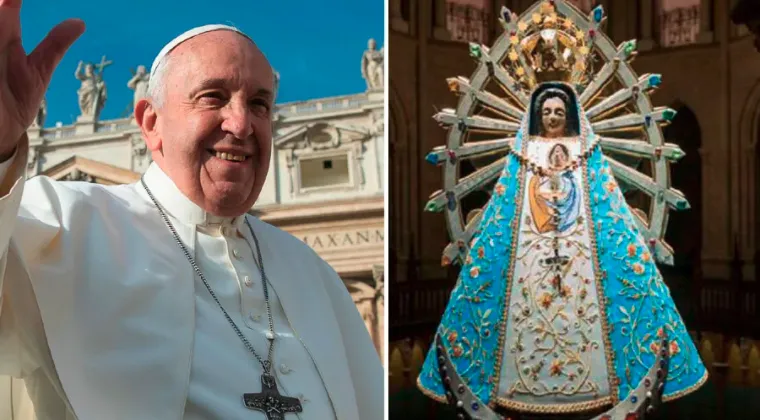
(684, 232)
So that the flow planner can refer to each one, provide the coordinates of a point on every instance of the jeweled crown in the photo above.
(551, 42)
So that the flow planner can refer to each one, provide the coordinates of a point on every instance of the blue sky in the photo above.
(315, 45)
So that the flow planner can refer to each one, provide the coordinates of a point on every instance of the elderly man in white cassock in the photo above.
(164, 299)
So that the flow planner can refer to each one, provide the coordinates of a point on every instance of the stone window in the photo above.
(324, 172)
(468, 20)
(678, 22)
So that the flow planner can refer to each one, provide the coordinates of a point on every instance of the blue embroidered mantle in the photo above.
(638, 308)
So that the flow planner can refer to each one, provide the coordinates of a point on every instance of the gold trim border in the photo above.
(689, 390)
(510, 273)
(612, 378)
(571, 408)
(430, 394)
(566, 408)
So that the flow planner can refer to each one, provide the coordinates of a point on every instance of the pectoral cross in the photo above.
(270, 401)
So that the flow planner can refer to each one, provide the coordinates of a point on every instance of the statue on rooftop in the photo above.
(372, 66)
(92, 93)
(139, 83)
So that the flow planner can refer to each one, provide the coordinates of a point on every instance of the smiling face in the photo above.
(554, 117)
(212, 133)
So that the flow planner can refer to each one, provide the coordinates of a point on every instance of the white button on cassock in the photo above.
(248, 281)
(236, 253)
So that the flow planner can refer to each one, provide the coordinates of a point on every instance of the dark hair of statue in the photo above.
(554, 90)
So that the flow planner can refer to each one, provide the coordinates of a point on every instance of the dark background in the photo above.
(711, 76)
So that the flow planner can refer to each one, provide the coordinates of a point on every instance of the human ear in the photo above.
(146, 117)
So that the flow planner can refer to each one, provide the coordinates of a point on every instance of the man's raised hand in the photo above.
(24, 79)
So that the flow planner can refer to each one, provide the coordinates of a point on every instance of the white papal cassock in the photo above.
(104, 318)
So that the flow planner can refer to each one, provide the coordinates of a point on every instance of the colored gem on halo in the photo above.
(506, 14)
(630, 47)
(648, 120)
(634, 399)
(432, 207)
(452, 154)
(591, 33)
(632, 416)
(475, 406)
(669, 114)
(432, 158)
(598, 14)
(453, 85)
(655, 80)
(451, 201)
(475, 50)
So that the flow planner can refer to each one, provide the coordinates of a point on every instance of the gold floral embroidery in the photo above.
(555, 335)
(546, 300)
(638, 268)
(609, 186)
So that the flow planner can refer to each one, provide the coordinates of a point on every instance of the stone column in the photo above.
(379, 277)
(646, 9)
(396, 17)
(706, 34)
(440, 31)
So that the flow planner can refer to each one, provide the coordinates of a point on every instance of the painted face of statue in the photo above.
(554, 117)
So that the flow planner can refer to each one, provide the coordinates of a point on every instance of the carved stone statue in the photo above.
(372, 66)
(139, 83)
(92, 93)
(365, 299)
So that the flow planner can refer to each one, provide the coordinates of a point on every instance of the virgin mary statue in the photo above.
(559, 306)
